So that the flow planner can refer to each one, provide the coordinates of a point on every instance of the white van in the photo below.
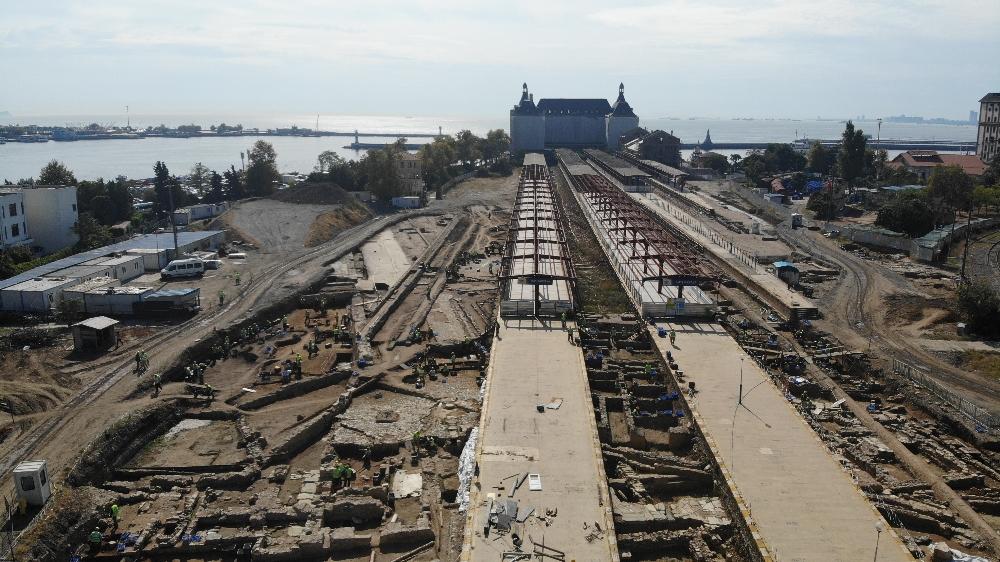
(183, 268)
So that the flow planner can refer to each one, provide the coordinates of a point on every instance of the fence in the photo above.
(984, 419)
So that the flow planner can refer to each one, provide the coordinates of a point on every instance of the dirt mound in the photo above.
(314, 194)
(35, 381)
(908, 308)
(327, 225)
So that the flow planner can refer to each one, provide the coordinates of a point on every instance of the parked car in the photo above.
(183, 268)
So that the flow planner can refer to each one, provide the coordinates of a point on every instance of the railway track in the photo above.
(26, 444)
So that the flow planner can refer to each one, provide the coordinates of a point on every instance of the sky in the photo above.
(677, 58)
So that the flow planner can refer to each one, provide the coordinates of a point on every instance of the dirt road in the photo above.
(60, 434)
(103, 399)
(855, 312)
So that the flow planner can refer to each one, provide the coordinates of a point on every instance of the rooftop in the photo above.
(40, 284)
(575, 106)
(992, 96)
(534, 159)
(97, 323)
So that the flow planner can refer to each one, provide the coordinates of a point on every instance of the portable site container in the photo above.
(408, 202)
(77, 292)
(152, 259)
(84, 272)
(114, 300)
(36, 295)
(124, 267)
(95, 334)
(31, 481)
(180, 299)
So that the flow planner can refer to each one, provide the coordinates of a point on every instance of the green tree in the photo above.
(92, 233)
(781, 157)
(10, 257)
(992, 174)
(754, 167)
(216, 191)
(234, 184)
(103, 210)
(950, 187)
(87, 191)
(436, 159)
(495, 145)
(327, 160)
(735, 159)
(851, 158)
(907, 212)
(819, 159)
(56, 173)
(120, 197)
(262, 173)
(986, 198)
(198, 178)
(826, 203)
(380, 169)
(716, 162)
(979, 306)
(467, 148)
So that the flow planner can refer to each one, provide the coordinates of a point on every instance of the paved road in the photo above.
(805, 506)
(533, 363)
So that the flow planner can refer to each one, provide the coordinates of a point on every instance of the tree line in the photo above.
(440, 160)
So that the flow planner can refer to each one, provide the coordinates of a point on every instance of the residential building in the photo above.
(13, 222)
(569, 122)
(51, 214)
(408, 170)
(923, 162)
(988, 138)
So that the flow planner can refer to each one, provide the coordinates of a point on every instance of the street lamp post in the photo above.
(879, 527)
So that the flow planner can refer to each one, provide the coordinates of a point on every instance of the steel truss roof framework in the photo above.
(536, 273)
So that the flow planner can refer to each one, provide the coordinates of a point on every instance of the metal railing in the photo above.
(985, 420)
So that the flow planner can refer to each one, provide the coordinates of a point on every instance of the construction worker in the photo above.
(157, 384)
(284, 322)
(211, 392)
(348, 476)
(673, 336)
(138, 361)
(116, 513)
(95, 538)
(222, 297)
(563, 318)
(237, 277)
(569, 335)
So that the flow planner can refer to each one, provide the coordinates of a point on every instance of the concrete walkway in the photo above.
(533, 363)
(805, 506)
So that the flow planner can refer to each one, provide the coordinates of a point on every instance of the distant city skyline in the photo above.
(678, 58)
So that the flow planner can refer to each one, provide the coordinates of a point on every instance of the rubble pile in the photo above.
(665, 497)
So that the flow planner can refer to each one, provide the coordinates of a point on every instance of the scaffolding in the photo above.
(663, 272)
(536, 273)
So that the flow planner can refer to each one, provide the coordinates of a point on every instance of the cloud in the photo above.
(728, 23)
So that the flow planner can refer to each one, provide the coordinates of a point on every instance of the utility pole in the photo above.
(173, 223)
(878, 150)
(968, 236)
